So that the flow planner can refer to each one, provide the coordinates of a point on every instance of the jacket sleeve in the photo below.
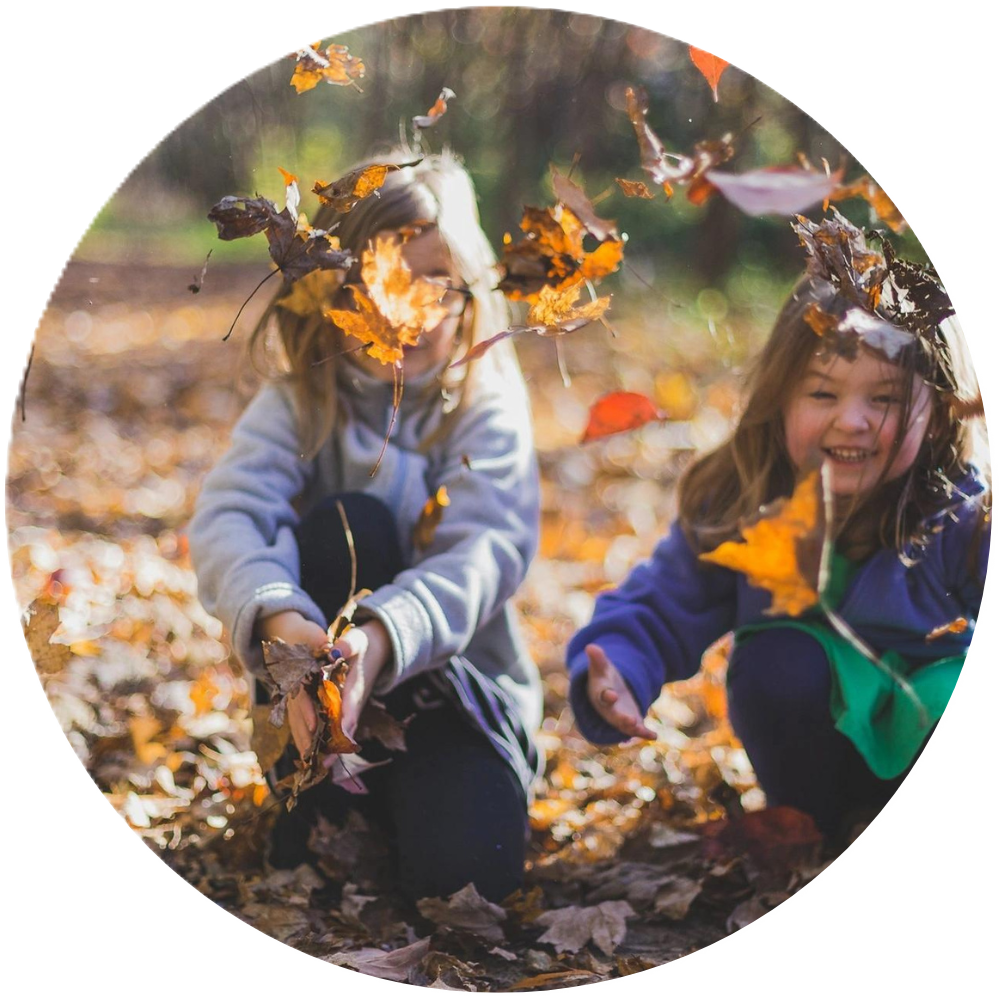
(242, 534)
(482, 546)
(654, 628)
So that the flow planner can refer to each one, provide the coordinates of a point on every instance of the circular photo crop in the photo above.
(499, 499)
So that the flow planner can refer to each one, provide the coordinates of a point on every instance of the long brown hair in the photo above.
(724, 488)
(435, 192)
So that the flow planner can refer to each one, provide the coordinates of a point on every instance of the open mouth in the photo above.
(848, 455)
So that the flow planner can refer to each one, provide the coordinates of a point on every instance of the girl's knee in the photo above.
(780, 669)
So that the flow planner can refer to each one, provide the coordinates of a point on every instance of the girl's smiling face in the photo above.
(427, 257)
(849, 413)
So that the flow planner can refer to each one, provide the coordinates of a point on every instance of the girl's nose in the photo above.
(852, 416)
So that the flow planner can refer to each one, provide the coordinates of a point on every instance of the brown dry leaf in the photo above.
(40, 622)
(343, 194)
(376, 723)
(287, 668)
(769, 553)
(466, 910)
(268, 741)
(782, 190)
(437, 112)
(634, 188)
(399, 308)
(392, 965)
(955, 627)
(572, 196)
(430, 517)
(570, 929)
(336, 66)
(710, 67)
(674, 899)
(552, 978)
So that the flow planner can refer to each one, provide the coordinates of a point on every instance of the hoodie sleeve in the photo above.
(242, 534)
(654, 628)
(482, 546)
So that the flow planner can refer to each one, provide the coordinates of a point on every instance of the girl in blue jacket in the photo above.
(827, 731)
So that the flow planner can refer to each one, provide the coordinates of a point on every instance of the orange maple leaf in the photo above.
(336, 66)
(617, 412)
(710, 66)
(770, 552)
(395, 308)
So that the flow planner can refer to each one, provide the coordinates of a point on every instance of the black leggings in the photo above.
(453, 807)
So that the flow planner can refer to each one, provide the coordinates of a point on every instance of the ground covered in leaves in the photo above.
(638, 855)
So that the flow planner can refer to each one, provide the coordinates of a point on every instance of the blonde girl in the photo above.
(437, 641)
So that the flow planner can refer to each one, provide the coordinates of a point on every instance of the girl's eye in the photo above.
(887, 400)
(821, 394)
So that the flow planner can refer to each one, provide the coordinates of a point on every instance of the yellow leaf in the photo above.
(430, 517)
(769, 554)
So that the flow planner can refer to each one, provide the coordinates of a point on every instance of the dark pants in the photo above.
(454, 808)
(778, 702)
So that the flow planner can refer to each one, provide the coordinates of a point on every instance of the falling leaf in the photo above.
(883, 206)
(634, 188)
(776, 190)
(392, 965)
(430, 517)
(199, 280)
(552, 254)
(710, 66)
(40, 622)
(769, 553)
(396, 308)
(571, 195)
(336, 66)
(665, 168)
(295, 247)
(619, 411)
(552, 314)
(357, 185)
(435, 114)
(956, 627)
(466, 910)
(570, 929)
(312, 294)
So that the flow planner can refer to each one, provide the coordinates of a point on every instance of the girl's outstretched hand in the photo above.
(611, 698)
(367, 649)
(294, 629)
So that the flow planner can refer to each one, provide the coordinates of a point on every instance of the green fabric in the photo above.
(869, 706)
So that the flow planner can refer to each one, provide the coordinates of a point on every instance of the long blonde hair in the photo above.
(437, 191)
(724, 488)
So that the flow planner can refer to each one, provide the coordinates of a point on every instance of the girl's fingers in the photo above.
(599, 663)
(608, 695)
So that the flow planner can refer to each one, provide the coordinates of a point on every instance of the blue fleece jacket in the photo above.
(656, 626)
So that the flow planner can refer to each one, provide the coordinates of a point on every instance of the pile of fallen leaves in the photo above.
(638, 854)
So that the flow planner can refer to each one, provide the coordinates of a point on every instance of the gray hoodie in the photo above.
(449, 611)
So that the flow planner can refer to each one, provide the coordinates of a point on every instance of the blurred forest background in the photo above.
(132, 393)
